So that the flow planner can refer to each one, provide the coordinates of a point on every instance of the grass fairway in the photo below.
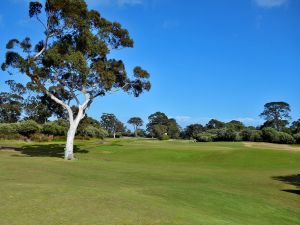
(145, 182)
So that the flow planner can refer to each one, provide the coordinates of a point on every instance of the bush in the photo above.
(91, 131)
(270, 135)
(8, 128)
(297, 138)
(52, 128)
(251, 135)
(256, 136)
(205, 137)
(164, 137)
(28, 128)
(285, 138)
(63, 123)
(226, 135)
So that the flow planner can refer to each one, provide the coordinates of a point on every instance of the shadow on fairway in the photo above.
(51, 150)
(292, 180)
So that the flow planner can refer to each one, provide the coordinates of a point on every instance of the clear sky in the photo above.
(207, 58)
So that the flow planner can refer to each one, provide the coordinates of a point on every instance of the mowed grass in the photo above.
(148, 182)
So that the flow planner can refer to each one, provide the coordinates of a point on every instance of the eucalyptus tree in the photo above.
(158, 124)
(136, 122)
(111, 124)
(296, 126)
(71, 64)
(192, 130)
(276, 114)
(11, 103)
(215, 124)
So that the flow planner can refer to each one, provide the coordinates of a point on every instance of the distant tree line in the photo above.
(31, 119)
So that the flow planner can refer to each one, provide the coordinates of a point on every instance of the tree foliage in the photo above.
(276, 115)
(215, 124)
(136, 122)
(159, 124)
(111, 124)
(192, 131)
(73, 57)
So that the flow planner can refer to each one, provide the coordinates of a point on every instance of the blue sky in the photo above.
(207, 59)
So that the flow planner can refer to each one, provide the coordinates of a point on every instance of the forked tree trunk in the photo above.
(82, 108)
(69, 150)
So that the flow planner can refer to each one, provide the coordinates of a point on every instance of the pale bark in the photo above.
(69, 149)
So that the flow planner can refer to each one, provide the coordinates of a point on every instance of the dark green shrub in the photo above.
(251, 135)
(91, 131)
(256, 136)
(285, 138)
(8, 128)
(226, 135)
(63, 123)
(28, 127)
(270, 135)
(245, 134)
(164, 137)
(205, 137)
(297, 138)
(53, 128)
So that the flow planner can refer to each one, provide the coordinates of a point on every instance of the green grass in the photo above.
(148, 182)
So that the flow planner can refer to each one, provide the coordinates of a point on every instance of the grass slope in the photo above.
(147, 182)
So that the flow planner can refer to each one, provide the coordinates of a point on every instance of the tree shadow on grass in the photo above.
(51, 150)
(292, 180)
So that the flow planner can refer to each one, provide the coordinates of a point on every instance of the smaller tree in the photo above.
(276, 115)
(136, 122)
(215, 124)
(235, 125)
(158, 124)
(296, 126)
(110, 122)
(28, 127)
(173, 129)
(191, 131)
(11, 103)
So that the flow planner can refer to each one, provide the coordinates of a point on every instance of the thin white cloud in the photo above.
(270, 3)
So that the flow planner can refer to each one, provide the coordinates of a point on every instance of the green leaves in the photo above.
(72, 58)
(35, 8)
(11, 43)
(140, 73)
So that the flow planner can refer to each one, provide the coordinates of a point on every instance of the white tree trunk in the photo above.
(69, 150)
